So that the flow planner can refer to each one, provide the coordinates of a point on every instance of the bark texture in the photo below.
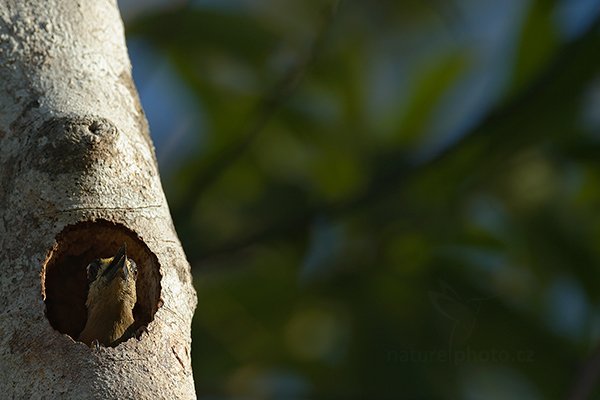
(78, 176)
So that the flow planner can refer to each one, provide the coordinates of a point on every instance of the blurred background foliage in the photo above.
(382, 200)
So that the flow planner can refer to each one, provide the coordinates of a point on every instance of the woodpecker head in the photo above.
(111, 298)
(103, 271)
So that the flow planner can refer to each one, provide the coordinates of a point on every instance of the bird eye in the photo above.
(133, 266)
(92, 270)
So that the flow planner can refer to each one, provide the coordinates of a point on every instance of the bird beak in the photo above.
(118, 262)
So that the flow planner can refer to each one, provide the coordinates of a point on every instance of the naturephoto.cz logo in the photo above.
(462, 316)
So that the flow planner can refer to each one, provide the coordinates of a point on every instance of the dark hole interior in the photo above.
(64, 280)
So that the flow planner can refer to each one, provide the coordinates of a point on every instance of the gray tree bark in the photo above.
(78, 178)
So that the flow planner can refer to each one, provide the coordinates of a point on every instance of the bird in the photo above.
(110, 300)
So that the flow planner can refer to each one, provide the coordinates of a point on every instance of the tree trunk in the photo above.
(78, 179)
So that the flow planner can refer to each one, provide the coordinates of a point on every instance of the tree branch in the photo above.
(267, 107)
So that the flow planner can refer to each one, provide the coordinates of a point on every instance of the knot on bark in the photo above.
(72, 143)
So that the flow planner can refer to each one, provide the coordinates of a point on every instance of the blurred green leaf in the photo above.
(538, 42)
(430, 83)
